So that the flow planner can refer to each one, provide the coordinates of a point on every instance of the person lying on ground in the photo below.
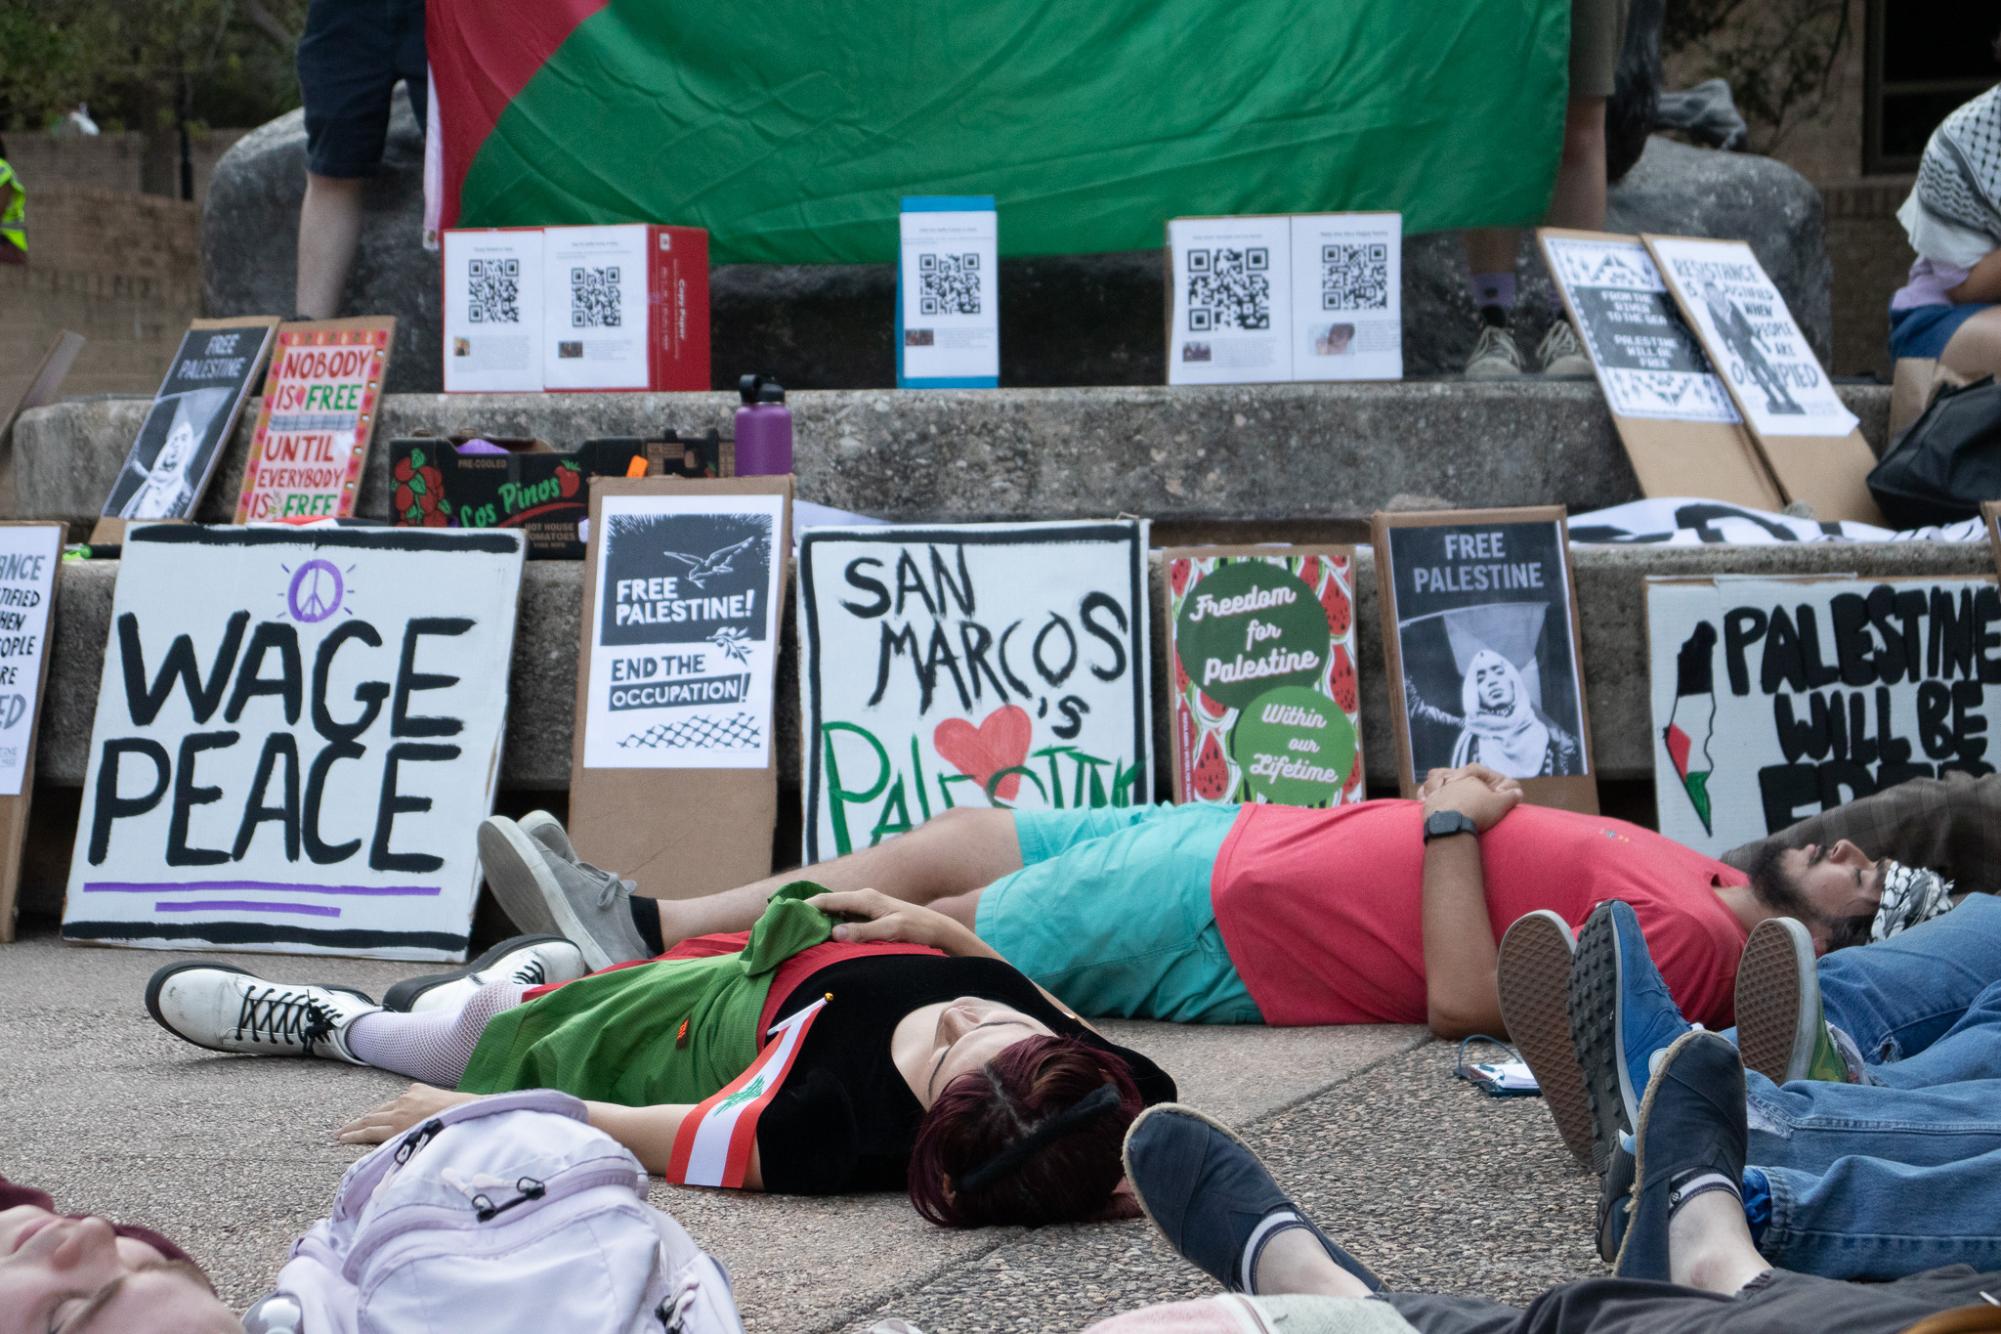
(1874, 1179)
(80, 1274)
(1686, 1264)
(1203, 913)
(928, 1065)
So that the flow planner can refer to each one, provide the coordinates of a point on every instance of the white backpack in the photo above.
(504, 1213)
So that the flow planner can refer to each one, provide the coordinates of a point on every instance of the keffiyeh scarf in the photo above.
(1911, 895)
(1959, 183)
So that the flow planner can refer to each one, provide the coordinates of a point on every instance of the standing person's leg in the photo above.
(1490, 267)
(347, 71)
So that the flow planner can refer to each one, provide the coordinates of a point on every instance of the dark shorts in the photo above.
(350, 60)
(1775, 1303)
(1923, 331)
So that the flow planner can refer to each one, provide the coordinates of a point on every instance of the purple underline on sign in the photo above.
(246, 905)
(279, 886)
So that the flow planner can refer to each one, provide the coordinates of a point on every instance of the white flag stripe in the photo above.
(708, 1158)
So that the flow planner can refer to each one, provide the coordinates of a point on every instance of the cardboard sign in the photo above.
(995, 665)
(1265, 299)
(677, 680)
(683, 648)
(1267, 704)
(1808, 437)
(493, 310)
(1480, 629)
(948, 293)
(29, 555)
(297, 734)
(316, 421)
(1680, 430)
(1777, 698)
(191, 420)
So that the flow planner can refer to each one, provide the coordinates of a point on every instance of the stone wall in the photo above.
(125, 161)
(1871, 257)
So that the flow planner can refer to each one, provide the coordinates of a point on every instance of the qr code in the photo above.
(1355, 277)
(493, 291)
(950, 284)
(1229, 289)
(594, 296)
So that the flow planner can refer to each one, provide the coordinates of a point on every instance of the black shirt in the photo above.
(845, 1119)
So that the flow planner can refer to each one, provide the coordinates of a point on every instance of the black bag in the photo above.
(1947, 463)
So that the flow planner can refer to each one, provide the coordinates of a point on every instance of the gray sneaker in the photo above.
(545, 894)
(1560, 356)
(547, 830)
(1495, 356)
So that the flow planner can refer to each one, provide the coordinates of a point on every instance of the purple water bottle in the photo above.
(763, 429)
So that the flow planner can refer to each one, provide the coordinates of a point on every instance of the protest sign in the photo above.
(948, 293)
(1680, 430)
(1808, 437)
(677, 680)
(47, 379)
(1267, 704)
(191, 420)
(29, 554)
(1481, 634)
(1777, 698)
(1264, 299)
(995, 665)
(297, 734)
(316, 420)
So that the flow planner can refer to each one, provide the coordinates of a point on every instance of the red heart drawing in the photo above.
(999, 742)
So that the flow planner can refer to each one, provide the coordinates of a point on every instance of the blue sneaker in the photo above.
(1621, 1017)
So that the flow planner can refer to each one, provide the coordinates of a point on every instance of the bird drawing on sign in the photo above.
(713, 565)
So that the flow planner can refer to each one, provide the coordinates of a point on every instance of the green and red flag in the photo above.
(792, 128)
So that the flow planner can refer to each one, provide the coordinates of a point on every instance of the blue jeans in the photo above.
(1890, 1178)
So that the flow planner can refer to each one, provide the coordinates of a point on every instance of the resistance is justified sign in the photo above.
(1775, 699)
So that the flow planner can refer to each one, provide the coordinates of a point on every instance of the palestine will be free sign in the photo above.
(1774, 699)
(685, 651)
(998, 665)
(297, 735)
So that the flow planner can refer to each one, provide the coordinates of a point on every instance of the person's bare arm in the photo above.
(1983, 282)
(893, 919)
(1461, 995)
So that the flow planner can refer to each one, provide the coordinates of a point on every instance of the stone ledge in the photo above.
(1610, 590)
(1250, 454)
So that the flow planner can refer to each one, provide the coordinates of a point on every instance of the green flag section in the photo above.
(790, 129)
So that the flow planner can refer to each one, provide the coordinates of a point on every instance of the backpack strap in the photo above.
(712, 1147)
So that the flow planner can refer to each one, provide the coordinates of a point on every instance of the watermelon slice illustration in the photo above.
(1180, 676)
(1212, 772)
(1340, 612)
(1341, 682)
(1309, 571)
(1177, 575)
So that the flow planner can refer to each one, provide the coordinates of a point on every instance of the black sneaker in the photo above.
(1211, 1197)
(1690, 1140)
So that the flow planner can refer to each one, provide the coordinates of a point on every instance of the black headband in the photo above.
(1102, 1099)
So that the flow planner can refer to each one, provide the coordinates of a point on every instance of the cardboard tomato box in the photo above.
(530, 485)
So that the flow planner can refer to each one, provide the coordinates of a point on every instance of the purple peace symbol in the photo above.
(316, 591)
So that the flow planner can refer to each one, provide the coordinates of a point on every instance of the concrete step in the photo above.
(1262, 456)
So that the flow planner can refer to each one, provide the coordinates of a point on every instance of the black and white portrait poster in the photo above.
(1484, 641)
(684, 652)
(193, 415)
(1774, 699)
(998, 665)
(1744, 322)
(1648, 363)
(297, 734)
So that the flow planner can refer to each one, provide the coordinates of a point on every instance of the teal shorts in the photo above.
(1110, 911)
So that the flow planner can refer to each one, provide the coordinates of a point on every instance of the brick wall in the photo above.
(126, 161)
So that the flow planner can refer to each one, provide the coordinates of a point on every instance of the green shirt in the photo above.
(618, 1037)
(13, 218)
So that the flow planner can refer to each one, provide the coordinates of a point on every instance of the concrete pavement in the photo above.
(1433, 1183)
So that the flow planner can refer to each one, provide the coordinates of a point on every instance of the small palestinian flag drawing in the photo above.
(1693, 718)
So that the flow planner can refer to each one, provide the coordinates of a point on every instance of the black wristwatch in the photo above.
(1444, 824)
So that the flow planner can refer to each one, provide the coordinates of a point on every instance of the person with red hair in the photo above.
(917, 1059)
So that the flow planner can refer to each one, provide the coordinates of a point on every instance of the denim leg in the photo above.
(1865, 1218)
(1899, 996)
(1809, 1125)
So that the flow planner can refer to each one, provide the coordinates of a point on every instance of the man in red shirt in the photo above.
(1383, 912)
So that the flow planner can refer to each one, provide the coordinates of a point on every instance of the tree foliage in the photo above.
(145, 64)
(1779, 56)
